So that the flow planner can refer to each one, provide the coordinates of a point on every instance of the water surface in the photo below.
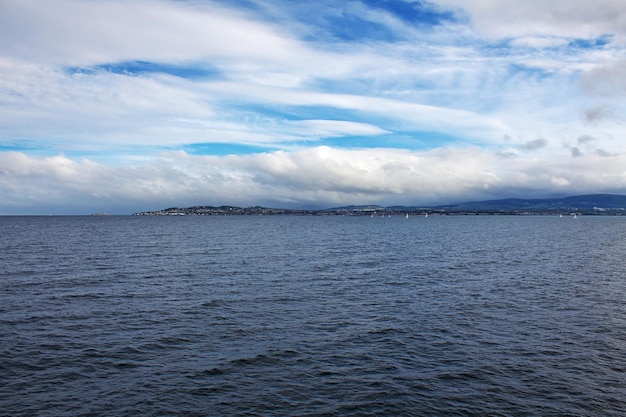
(297, 315)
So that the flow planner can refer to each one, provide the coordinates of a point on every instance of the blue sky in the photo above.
(128, 105)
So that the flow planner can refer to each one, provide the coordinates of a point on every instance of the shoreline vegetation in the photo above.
(595, 204)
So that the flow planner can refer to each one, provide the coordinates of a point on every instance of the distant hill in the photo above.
(594, 203)
(581, 202)
(353, 208)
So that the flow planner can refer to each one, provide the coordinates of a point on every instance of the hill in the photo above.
(597, 202)
(593, 203)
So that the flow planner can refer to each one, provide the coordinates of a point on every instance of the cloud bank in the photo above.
(317, 177)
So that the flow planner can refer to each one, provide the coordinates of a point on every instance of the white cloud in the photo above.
(84, 33)
(539, 42)
(315, 176)
(43, 101)
(415, 115)
(459, 83)
(332, 128)
(112, 108)
(558, 18)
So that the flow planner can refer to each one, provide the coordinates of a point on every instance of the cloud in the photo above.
(163, 110)
(585, 139)
(156, 30)
(606, 80)
(559, 18)
(534, 144)
(333, 128)
(586, 144)
(598, 113)
(576, 152)
(319, 176)
(417, 115)
(539, 42)
(63, 72)
(199, 34)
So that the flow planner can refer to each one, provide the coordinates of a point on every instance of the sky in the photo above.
(119, 106)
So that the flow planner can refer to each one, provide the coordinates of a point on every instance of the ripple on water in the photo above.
(312, 316)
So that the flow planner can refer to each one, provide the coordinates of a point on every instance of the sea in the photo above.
(312, 316)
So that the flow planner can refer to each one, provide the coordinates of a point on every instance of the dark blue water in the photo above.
(293, 316)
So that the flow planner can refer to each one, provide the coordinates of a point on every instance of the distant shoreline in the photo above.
(592, 204)
(383, 212)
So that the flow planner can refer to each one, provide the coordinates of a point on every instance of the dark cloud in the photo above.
(534, 144)
(595, 114)
(586, 142)
(505, 154)
(584, 139)
(607, 80)
(603, 153)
